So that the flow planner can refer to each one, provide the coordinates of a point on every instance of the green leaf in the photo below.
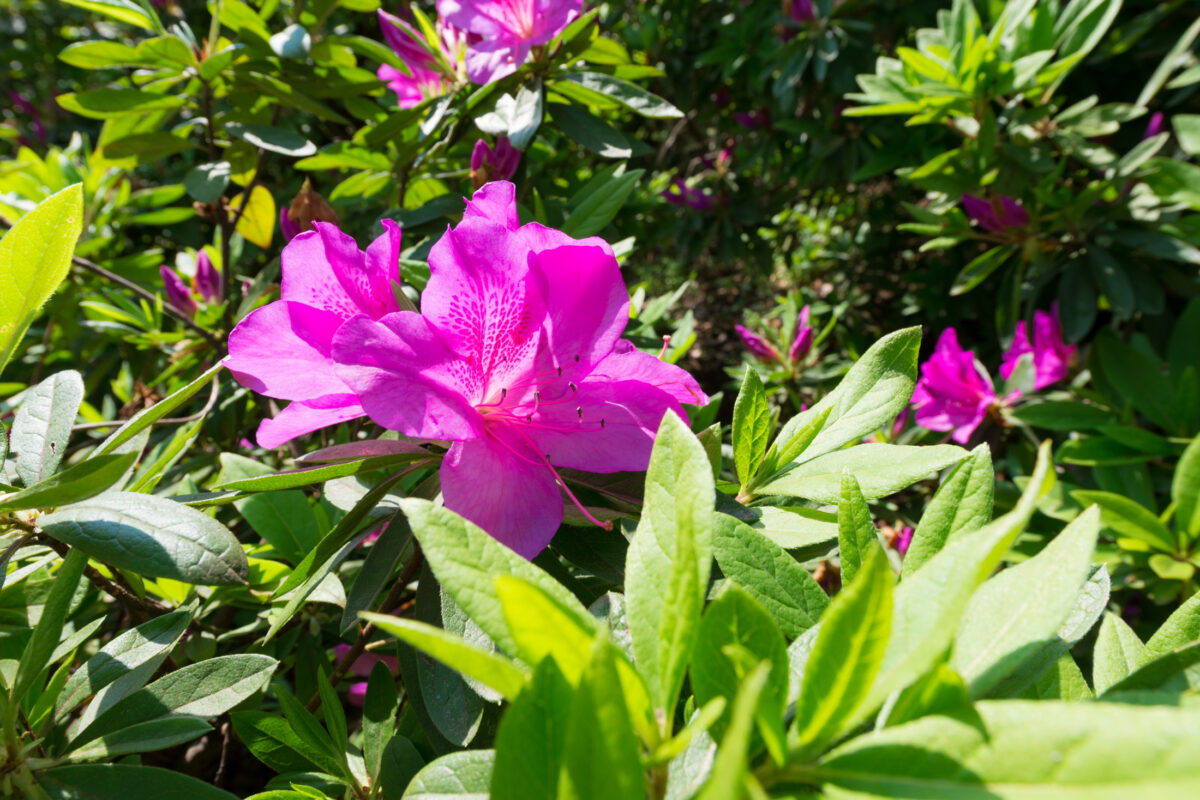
(318, 746)
(669, 559)
(601, 203)
(277, 140)
(151, 536)
(1138, 379)
(126, 11)
(306, 476)
(1185, 490)
(456, 776)
(880, 469)
(207, 182)
(633, 97)
(751, 427)
(846, 657)
(930, 603)
(542, 628)
(43, 423)
(78, 482)
(1013, 614)
(124, 781)
(1016, 750)
(43, 641)
(736, 633)
(285, 520)
(490, 669)
(147, 643)
(109, 103)
(940, 691)
(857, 538)
(399, 766)
(381, 703)
(600, 757)
(143, 737)
(144, 419)
(466, 561)
(980, 268)
(1179, 629)
(769, 574)
(1063, 415)
(1126, 518)
(869, 397)
(100, 55)
(204, 689)
(274, 742)
(730, 766)
(1160, 672)
(963, 503)
(532, 738)
(383, 557)
(1187, 132)
(1117, 654)
(144, 148)
(590, 131)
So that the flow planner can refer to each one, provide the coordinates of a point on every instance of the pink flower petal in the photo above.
(283, 350)
(306, 416)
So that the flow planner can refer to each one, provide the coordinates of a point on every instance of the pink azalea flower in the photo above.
(753, 120)
(506, 31)
(802, 340)
(498, 164)
(800, 11)
(425, 77)
(287, 227)
(516, 358)
(1051, 355)
(759, 347)
(680, 194)
(284, 349)
(903, 540)
(1001, 213)
(362, 666)
(208, 279)
(177, 292)
(954, 392)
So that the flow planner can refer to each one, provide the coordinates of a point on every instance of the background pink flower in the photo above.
(506, 30)
(1001, 213)
(425, 78)
(488, 164)
(953, 393)
(1051, 355)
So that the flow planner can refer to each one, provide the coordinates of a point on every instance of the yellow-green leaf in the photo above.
(257, 224)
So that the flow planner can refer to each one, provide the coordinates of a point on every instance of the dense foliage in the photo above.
(524, 399)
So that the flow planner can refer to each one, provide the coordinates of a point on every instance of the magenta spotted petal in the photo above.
(517, 359)
(953, 393)
(506, 31)
(283, 350)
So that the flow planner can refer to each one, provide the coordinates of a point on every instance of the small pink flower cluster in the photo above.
(764, 351)
(206, 283)
(955, 392)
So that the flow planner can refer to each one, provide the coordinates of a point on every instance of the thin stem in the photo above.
(148, 295)
(208, 406)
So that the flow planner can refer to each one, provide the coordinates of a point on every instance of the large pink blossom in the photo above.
(505, 31)
(284, 349)
(954, 392)
(516, 358)
(1051, 355)
(425, 77)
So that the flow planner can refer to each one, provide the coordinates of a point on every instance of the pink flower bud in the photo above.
(176, 291)
(208, 280)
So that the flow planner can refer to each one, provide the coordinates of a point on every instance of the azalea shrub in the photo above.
(539, 399)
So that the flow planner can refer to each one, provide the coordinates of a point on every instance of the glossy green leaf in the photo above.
(857, 537)
(1117, 654)
(669, 559)
(151, 536)
(1126, 518)
(143, 737)
(751, 427)
(124, 782)
(46, 634)
(633, 97)
(381, 703)
(963, 503)
(1185, 490)
(880, 469)
(456, 776)
(274, 741)
(42, 426)
(109, 103)
(126, 11)
(79, 482)
(532, 738)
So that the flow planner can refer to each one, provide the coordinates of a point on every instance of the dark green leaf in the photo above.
(43, 423)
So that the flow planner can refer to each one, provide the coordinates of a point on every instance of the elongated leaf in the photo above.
(1117, 654)
(35, 257)
(751, 426)
(143, 737)
(466, 561)
(847, 655)
(49, 628)
(144, 419)
(79, 482)
(1159, 672)
(488, 668)
(729, 769)
(204, 689)
(122, 655)
(1127, 518)
(532, 738)
(857, 538)
(669, 560)
(1023, 750)
(124, 782)
(880, 469)
(1181, 628)
(1015, 613)
(380, 706)
(600, 757)
(274, 741)
(309, 475)
(541, 628)
(633, 97)
(963, 503)
(152, 536)
(383, 557)
(109, 103)
(43, 423)
(769, 574)
(1185, 490)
